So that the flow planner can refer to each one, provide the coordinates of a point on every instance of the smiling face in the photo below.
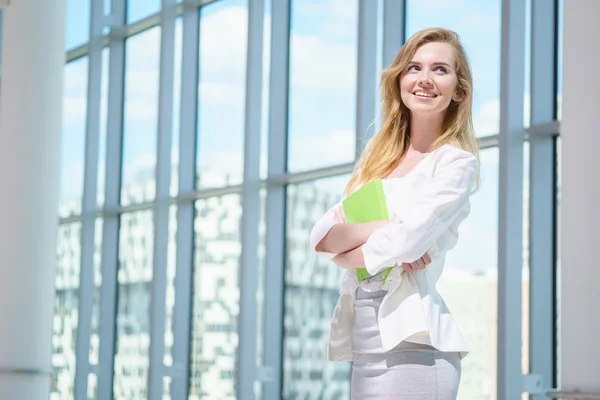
(428, 83)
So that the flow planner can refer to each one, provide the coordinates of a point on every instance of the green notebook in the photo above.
(365, 205)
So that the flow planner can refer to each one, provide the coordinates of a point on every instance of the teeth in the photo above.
(425, 94)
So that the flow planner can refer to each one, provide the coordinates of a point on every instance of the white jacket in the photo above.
(425, 208)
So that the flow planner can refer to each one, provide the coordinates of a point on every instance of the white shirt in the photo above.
(425, 208)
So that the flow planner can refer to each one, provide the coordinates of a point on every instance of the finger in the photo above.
(422, 263)
(406, 267)
(419, 264)
(426, 258)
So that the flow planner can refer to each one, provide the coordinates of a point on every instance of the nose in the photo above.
(425, 81)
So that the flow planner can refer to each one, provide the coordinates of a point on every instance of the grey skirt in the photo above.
(410, 371)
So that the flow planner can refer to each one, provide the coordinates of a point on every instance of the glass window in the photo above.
(92, 392)
(559, 60)
(140, 117)
(170, 293)
(322, 83)
(131, 361)
(167, 380)
(478, 24)
(221, 91)
(558, 248)
(264, 138)
(139, 9)
(77, 23)
(103, 122)
(311, 293)
(176, 107)
(94, 354)
(73, 137)
(526, 268)
(107, 7)
(527, 87)
(260, 293)
(472, 267)
(66, 305)
(214, 336)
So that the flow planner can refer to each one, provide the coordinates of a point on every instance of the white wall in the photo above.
(580, 239)
(30, 124)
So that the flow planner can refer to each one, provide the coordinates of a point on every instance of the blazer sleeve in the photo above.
(320, 229)
(437, 206)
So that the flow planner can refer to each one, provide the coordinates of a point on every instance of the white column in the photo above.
(580, 218)
(30, 126)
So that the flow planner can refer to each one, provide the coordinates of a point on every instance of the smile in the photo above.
(425, 94)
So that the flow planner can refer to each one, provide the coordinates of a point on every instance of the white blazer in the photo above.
(425, 207)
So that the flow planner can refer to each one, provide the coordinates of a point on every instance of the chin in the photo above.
(423, 109)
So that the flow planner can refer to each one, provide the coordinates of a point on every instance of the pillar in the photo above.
(30, 126)
(580, 203)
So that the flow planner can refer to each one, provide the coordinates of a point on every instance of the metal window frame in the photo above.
(542, 198)
(162, 201)
(510, 139)
(275, 209)
(110, 232)
(184, 264)
(366, 83)
(124, 30)
(246, 366)
(510, 215)
(89, 201)
(394, 31)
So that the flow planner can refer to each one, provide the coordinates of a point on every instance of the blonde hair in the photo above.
(384, 150)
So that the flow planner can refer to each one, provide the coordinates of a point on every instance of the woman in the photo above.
(398, 332)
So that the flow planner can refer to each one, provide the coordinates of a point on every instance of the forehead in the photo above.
(434, 52)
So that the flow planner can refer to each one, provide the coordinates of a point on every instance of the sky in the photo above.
(322, 94)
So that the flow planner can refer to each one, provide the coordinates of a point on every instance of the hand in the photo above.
(338, 215)
(417, 265)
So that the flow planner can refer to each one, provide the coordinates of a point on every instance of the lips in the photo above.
(429, 95)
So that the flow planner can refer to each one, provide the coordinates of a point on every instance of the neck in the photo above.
(424, 130)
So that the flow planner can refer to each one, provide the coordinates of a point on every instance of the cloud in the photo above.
(487, 119)
(308, 152)
(221, 93)
(223, 43)
(141, 111)
(144, 164)
(322, 66)
(71, 185)
(440, 7)
(74, 111)
(334, 19)
(75, 93)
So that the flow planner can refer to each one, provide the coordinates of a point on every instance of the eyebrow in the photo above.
(435, 63)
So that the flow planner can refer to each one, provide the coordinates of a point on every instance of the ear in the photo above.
(457, 97)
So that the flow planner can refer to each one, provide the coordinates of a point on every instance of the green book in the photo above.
(365, 205)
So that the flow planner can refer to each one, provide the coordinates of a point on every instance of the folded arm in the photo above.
(351, 259)
(344, 237)
(330, 237)
(436, 207)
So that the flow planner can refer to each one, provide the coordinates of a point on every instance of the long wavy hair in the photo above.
(385, 149)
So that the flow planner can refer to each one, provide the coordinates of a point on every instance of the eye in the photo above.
(440, 68)
(413, 68)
